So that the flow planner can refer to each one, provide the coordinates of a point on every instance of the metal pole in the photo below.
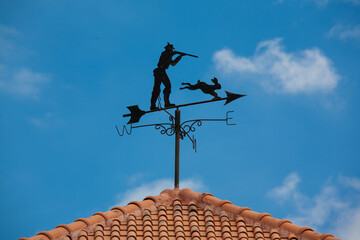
(177, 146)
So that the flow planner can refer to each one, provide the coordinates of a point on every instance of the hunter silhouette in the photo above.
(161, 77)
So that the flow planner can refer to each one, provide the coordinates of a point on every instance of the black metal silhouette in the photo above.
(181, 130)
(175, 127)
(204, 87)
(169, 128)
(136, 113)
(160, 75)
(185, 54)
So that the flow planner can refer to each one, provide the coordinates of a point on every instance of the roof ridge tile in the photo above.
(152, 198)
(303, 229)
(179, 202)
(326, 235)
(84, 220)
(132, 207)
(118, 208)
(46, 234)
(103, 215)
(136, 203)
(66, 227)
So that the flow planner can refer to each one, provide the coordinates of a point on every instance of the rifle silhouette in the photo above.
(185, 54)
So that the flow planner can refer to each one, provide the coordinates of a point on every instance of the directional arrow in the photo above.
(136, 113)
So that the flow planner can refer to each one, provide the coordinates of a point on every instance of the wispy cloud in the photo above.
(345, 32)
(355, 2)
(135, 178)
(155, 188)
(317, 211)
(23, 82)
(348, 224)
(279, 71)
(6, 45)
(288, 189)
(45, 121)
(323, 3)
(329, 210)
(18, 81)
(351, 182)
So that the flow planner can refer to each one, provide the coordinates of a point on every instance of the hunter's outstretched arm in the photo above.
(176, 60)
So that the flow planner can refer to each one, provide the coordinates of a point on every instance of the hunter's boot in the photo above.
(153, 103)
(167, 101)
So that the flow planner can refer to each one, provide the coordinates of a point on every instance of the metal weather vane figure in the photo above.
(204, 87)
(175, 126)
(160, 75)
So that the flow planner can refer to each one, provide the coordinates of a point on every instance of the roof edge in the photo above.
(186, 196)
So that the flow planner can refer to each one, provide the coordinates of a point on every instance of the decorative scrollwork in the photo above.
(186, 128)
(170, 130)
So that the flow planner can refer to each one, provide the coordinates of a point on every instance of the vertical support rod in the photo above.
(177, 146)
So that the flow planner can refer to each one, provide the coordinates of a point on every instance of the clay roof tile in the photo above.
(181, 214)
(274, 235)
(292, 237)
(327, 236)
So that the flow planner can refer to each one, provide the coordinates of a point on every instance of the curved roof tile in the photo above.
(180, 214)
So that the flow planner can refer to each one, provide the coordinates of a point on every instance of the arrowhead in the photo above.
(232, 96)
(135, 114)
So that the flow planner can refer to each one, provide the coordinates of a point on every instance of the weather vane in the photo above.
(175, 127)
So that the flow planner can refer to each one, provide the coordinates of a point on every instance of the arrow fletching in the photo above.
(135, 114)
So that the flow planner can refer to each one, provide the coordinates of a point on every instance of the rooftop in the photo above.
(181, 214)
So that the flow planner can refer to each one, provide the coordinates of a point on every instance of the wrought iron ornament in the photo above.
(168, 129)
(175, 127)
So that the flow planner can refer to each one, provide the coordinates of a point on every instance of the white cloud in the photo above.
(288, 187)
(228, 62)
(318, 210)
(155, 188)
(328, 211)
(351, 182)
(17, 80)
(348, 225)
(135, 178)
(323, 3)
(280, 71)
(345, 32)
(23, 82)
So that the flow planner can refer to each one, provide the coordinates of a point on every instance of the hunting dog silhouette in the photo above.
(204, 87)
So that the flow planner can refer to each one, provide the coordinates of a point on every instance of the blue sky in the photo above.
(68, 69)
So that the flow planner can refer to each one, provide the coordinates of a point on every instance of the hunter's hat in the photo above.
(169, 46)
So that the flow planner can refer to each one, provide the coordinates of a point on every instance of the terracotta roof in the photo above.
(181, 214)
